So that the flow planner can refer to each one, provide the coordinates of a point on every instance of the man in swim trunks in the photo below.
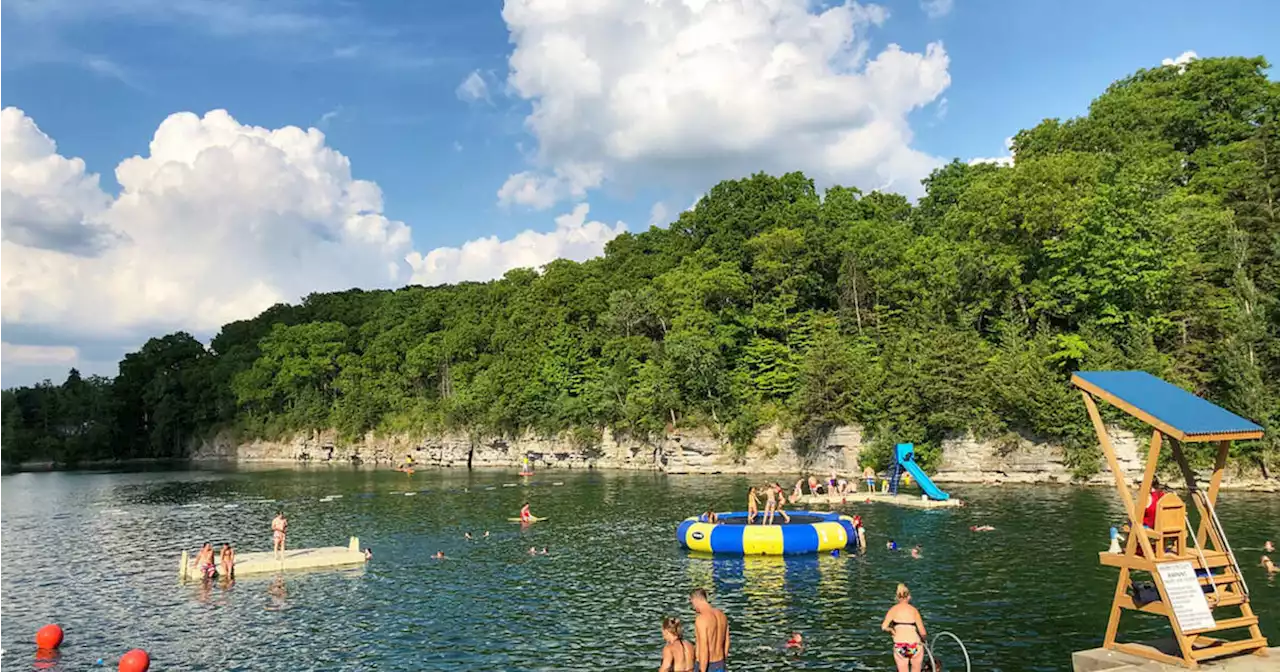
(204, 561)
(279, 525)
(712, 630)
(869, 475)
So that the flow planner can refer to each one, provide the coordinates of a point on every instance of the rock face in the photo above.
(698, 451)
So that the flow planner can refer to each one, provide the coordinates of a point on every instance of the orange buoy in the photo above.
(49, 637)
(136, 660)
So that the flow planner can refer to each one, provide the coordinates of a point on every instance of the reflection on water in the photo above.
(97, 553)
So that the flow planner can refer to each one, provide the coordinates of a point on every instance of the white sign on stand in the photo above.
(1186, 596)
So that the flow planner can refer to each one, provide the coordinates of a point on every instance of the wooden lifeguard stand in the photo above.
(1197, 582)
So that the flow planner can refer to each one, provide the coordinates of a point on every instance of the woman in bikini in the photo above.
(770, 504)
(776, 488)
(753, 505)
(677, 654)
(227, 562)
(279, 527)
(907, 627)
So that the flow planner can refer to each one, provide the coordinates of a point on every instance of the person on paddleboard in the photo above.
(525, 516)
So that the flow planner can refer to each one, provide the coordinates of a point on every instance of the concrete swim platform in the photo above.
(294, 559)
(1104, 660)
(906, 501)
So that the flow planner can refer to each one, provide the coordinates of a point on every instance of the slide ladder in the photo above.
(906, 454)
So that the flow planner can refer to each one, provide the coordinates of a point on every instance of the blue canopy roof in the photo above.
(1169, 404)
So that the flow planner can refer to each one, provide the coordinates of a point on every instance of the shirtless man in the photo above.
(869, 475)
(279, 525)
(204, 561)
(712, 630)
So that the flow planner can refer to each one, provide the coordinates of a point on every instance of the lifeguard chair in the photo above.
(1198, 584)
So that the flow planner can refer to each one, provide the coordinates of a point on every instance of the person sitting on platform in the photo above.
(227, 561)
(815, 488)
(204, 561)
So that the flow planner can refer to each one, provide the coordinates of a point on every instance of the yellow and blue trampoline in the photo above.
(808, 532)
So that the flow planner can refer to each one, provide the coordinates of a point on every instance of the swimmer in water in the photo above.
(1269, 547)
(368, 554)
(892, 545)
(796, 641)
(981, 528)
(486, 534)
(439, 555)
(753, 505)
(1268, 566)
(677, 654)
(279, 527)
(915, 553)
(533, 550)
(466, 535)
(544, 551)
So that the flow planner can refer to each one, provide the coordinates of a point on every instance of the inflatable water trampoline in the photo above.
(808, 532)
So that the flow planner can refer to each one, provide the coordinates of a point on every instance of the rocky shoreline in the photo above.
(698, 451)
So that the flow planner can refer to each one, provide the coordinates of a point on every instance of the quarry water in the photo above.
(97, 553)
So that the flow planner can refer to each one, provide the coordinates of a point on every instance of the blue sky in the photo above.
(381, 80)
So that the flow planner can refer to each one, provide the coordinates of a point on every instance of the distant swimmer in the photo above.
(544, 551)
(712, 631)
(1269, 566)
(204, 561)
(439, 555)
(796, 641)
(279, 527)
(981, 528)
(904, 622)
(1269, 547)
(861, 532)
(368, 554)
(753, 505)
(677, 654)
(533, 550)
(466, 535)
(915, 552)
(486, 534)
(227, 561)
(892, 545)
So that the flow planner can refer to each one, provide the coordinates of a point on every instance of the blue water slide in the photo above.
(907, 458)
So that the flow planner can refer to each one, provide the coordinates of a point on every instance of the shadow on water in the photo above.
(97, 553)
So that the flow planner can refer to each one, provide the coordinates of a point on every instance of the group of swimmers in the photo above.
(710, 648)
(224, 565)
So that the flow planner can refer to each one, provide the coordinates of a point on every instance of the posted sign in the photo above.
(1186, 596)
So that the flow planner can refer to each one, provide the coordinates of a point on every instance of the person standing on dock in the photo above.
(869, 475)
(906, 626)
(712, 630)
(279, 526)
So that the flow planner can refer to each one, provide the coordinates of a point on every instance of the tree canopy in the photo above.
(1145, 234)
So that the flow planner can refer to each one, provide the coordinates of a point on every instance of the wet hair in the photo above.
(903, 592)
(698, 594)
(673, 625)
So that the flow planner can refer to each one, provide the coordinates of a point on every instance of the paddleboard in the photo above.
(536, 519)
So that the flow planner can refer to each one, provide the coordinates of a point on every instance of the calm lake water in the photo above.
(97, 553)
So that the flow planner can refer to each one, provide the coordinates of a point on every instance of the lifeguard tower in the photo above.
(1195, 581)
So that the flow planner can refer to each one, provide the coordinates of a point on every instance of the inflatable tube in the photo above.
(808, 532)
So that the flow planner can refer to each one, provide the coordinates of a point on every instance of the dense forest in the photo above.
(1143, 235)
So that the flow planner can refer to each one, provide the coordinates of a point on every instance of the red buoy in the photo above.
(136, 660)
(49, 637)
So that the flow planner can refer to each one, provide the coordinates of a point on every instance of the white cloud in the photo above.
(38, 355)
(658, 214)
(473, 88)
(486, 258)
(937, 8)
(688, 93)
(1005, 160)
(1181, 61)
(218, 222)
(541, 191)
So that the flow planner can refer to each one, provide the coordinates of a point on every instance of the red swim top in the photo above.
(1149, 515)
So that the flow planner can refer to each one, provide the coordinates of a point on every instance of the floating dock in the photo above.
(880, 498)
(1104, 660)
(300, 558)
